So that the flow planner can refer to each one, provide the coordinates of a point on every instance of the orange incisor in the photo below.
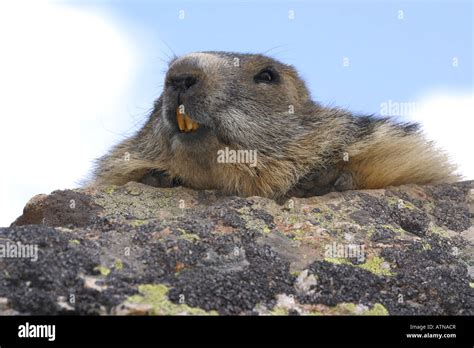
(185, 123)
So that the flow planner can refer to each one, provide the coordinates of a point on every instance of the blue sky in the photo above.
(389, 57)
(79, 76)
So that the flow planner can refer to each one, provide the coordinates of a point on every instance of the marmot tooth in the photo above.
(180, 120)
(189, 123)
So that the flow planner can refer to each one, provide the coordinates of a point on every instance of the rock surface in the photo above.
(136, 249)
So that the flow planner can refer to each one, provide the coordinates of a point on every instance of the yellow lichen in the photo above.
(118, 264)
(137, 223)
(156, 295)
(102, 270)
(374, 265)
(351, 308)
(190, 237)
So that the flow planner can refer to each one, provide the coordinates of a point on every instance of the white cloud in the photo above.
(62, 71)
(448, 119)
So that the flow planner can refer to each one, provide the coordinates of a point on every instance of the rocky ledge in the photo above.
(136, 249)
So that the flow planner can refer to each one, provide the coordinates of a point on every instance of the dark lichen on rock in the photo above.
(137, 249)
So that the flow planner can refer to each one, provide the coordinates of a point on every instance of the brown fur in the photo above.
(390, 158)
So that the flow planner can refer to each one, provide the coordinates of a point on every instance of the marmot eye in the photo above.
(267, 75)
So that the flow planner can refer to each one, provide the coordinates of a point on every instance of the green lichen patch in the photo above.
(434, 229)
(102, 270)
(118, 264)
(400, 203)
(353, 309)
(338, 261)
(251, 221)
(395, 229)
(190, 237)
(376, 265)
(110, 189)
(323, 218)
(377, 309)
(156, 295)
(278, 311)
(138, 222)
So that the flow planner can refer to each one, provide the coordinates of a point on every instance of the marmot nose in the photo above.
(182, 82)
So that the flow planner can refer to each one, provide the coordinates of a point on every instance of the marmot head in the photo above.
(247, 101)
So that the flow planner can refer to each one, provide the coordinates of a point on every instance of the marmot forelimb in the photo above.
(245, 124)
